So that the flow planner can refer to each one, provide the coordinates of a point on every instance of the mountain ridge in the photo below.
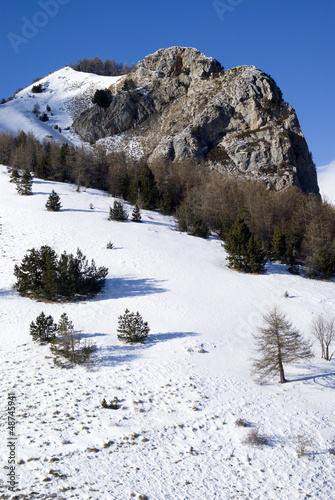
(178, 105)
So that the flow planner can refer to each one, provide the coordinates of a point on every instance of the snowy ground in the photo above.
(175, 435)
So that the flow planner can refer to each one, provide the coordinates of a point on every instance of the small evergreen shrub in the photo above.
(44, 117)
(43, 329)
(53, 203)
(24, 184)
(132, 329)
(136, 215)
(110, 245)
(37, 89)
(117, 212)
(200, 229)
(113, 405)
(103, 98)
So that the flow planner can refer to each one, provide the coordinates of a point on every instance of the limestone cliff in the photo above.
(181, 104)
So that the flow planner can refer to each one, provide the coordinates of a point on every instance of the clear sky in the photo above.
(292, 40)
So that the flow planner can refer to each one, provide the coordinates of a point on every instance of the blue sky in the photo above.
(293, 41)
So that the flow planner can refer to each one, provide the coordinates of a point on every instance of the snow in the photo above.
(67, 92)
(174, 436)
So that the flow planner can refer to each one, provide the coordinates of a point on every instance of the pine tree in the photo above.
(166, 202)
(244, 250)
(255, 256)
(42, 275)
(148, 189)
(44, 329)
(118, 213)
(25, 183)
(278, 245)
(14, 176)
(136, 215)
(200, 228)
(53, 203)
(132, 328)
(278, 343)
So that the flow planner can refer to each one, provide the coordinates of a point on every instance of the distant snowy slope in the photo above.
(67, 92)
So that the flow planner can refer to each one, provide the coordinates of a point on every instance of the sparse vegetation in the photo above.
(304, 445)
(68, 347)
(113, 405)
(255, 438)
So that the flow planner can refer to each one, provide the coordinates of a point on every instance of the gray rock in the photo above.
(181, 105)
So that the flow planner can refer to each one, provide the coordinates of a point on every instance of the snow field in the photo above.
(175, 434)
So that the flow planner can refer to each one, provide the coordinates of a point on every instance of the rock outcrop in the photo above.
(181, 105)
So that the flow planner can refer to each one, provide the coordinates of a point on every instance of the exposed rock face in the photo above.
(181, 105)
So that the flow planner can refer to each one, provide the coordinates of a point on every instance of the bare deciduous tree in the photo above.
(324, 331)
(278, 342)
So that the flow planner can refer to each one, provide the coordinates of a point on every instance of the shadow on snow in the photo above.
(118, 288)
(118, 354)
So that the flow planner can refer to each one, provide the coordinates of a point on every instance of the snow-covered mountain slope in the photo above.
(67, 92)
(175, 435)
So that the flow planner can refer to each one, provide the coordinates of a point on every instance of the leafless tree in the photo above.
(324, 331)
(277, 343)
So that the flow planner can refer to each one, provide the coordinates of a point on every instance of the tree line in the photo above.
(289, 226)
(108, 68)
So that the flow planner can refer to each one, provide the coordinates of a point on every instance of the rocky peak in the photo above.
(180, 61)
(179, 104)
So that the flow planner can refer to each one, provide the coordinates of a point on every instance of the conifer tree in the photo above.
(14, 175)
(136, 215)
(200, 228)
(118, 213)
(43, 329)
(244, 250)
(166, 202)
(25, 183)
(53, 203)
(278, 245)
(148, 189)
(132, 328)
(42, 275)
